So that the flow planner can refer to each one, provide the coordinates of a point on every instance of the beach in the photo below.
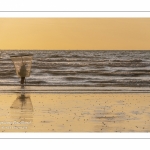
(74, 112)
(76, 91)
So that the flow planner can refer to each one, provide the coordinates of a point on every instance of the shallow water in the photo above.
(128, 112)
(81, 68)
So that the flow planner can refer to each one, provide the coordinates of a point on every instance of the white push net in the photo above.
(22, 65)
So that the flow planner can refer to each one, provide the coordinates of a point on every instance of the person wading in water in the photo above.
(22, 64)
(22, 73)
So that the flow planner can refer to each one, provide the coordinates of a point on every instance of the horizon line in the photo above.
(76, 49)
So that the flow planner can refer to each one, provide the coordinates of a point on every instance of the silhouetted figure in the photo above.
(23, 73)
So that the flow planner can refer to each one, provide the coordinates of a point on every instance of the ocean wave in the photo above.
(81, 68)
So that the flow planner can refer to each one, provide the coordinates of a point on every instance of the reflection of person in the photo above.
(22, 102)
(22, 73)
(22, 109)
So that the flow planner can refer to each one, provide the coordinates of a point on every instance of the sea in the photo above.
(80, 68)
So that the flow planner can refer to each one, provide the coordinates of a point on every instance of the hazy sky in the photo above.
(75, 33)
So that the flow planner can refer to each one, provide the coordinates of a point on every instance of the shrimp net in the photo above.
(22, 65)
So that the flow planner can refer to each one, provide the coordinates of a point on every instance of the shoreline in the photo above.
(70, 89)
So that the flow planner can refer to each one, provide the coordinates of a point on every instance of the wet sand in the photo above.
(75, 112)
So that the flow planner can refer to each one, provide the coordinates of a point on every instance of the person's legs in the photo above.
(22, 80)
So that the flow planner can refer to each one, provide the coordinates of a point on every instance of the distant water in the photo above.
(81, 68)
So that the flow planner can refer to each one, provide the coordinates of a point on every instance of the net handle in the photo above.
(22, 60)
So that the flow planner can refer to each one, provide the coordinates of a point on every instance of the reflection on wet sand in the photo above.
(22, 102)
(22, 108)
(74, 112)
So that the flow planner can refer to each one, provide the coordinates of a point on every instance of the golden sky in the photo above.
(75, 33)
